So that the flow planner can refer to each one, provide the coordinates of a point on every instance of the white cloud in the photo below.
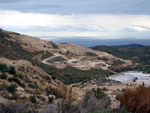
(93, 25)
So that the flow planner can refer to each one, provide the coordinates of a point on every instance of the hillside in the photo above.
(140, 55)
(67, 62)
(20, 79)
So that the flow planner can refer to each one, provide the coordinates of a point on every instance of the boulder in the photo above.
(19, 89)
(9, 95)
(52, 96)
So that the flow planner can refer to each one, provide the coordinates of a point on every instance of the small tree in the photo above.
(134, 80)
(12, 70)
(143, 84)
(33, 99)
(3, 76)
(12, 88)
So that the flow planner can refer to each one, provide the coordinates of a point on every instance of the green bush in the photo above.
(53, 77)
(3, 76)
(21, 76)
(123, 89)
(10, 79)
(12, 70)
(31, 85)
(15, 75)
(33, 99)
(27, 80)
(17, 81)
(12, 88)
(22, 85)
(3, 67)
(12, 67)
(99, 93)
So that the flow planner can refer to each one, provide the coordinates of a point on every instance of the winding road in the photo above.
(45, 60)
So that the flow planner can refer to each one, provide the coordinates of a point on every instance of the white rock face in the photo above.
(10, 95)
(128, 77)
(52, 96)
(19, 89)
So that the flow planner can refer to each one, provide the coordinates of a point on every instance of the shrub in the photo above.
(3, 76)
(99, 93)
(67, 93)
(33, 63)
(94, 103)
(123, 89)
(22, 85)
(53, 77)
(12, 70)
(37, 92)
(15, 75)
(33, 99)
(104, 89)
(12, 88)
(21, 76)
(10, 79)
(68, 96)
(3, 67)
(17, 81)
(54, 91)
(47, 78)
(136, 99)
(43, 99)
(31, 85)
(27, 80)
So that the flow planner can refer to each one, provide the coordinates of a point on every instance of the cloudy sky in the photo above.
(99, 19)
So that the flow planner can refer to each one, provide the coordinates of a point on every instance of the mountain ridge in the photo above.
(127, 45)
(64, 57)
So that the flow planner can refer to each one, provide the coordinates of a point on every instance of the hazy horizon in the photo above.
(101, 19)
(87, 42)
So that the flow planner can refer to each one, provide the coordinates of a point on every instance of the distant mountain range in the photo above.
(136, 52)
(132, 45)
(128, 45)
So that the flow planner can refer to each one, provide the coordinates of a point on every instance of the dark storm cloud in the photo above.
(77, 6)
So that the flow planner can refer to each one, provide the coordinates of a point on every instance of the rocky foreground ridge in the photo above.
(20, 79)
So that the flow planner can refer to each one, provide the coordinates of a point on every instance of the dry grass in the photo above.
(136, 99)
(68, 93)
(68, 96)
